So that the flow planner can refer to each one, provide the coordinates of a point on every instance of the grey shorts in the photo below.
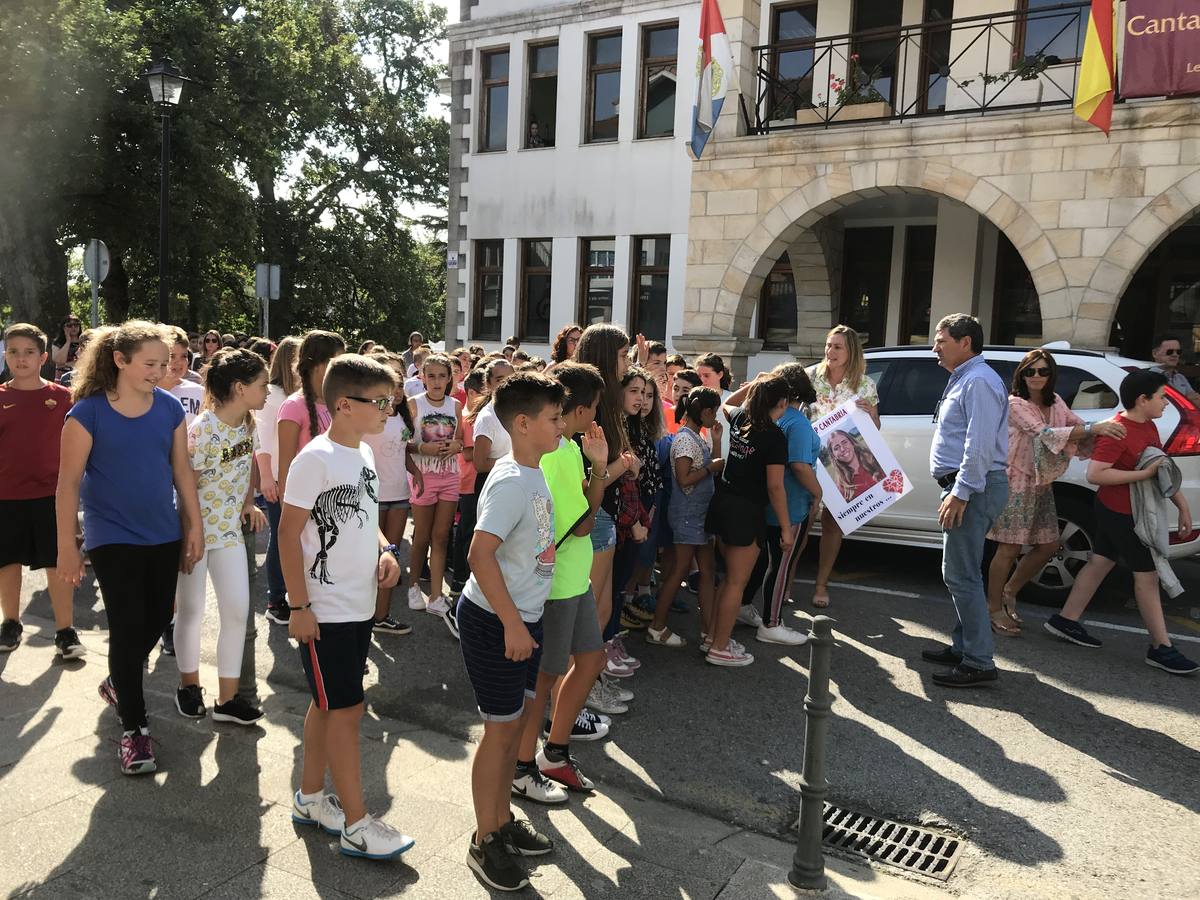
(569, 626)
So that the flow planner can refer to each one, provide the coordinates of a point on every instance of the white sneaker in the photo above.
(602, 698)
(733, 656)
(748, 615)
(438, 606)
(373, 839)
(537, 787)
(618, 690)
(325, 813)
(781, 634)
(415, 600)
(706, 643)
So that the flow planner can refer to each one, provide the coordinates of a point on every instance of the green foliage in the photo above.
(303, 139)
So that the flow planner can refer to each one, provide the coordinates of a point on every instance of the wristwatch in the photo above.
(1087, 429)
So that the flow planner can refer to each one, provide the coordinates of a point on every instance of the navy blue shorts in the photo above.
(334, 664)
(500, 684)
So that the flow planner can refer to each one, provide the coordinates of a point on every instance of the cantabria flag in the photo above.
(1097, 70)
(714, 71)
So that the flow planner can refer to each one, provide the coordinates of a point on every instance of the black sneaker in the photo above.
(189, 700)
(67, 645)
(10, 635)
(237, 710)
(1070, 631)
(522, 839)
(1170, 660)
(585, 728)
(388, 625)
(168, 640)
(963, 675)
(451, 620)
(946, 656)
(494, 867)
(279, 613)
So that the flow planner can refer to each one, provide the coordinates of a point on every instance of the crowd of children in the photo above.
(543, 501)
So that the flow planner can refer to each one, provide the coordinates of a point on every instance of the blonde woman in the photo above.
(853, 466)
(839, 377)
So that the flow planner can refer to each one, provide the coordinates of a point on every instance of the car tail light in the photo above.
(1177, 538)
(1185, 440)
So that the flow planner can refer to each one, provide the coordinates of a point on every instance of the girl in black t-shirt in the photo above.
(751, 481)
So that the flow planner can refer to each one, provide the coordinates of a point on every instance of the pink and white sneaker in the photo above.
(136, 752)
(614, 667)
(734, 655)
(626, 660)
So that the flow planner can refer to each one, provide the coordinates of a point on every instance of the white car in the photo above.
(910, 384)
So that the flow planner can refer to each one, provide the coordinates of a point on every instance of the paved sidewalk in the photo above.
(214, 821)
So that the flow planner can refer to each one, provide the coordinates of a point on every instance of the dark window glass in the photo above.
(1058, 34)
(794, 27)
(651, 279)
(866, 279)
(495, 101)
(919, 241)
(660, 52)
(1017, 314)
(596, 301)
(535, 290)
(489, 289)
(541, 107)
(604, 87)
(878, 58)
(1083, 390)
(777, 307)
(914, 387)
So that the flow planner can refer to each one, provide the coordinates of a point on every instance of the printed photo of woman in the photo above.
(851, 464)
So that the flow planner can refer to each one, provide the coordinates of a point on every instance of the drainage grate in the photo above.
(906, 846)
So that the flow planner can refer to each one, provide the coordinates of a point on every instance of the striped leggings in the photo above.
(774, 573)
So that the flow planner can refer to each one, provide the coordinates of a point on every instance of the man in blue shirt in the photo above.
(969, 459)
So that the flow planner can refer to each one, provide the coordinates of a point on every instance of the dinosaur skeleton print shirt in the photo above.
(222, 456)
(340, 541)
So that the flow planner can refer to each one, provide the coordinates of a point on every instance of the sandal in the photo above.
(1002, 627)
(1008, 604)
(664, 638)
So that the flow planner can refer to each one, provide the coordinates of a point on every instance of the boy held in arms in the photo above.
(334, 559)
(1114, 467)
(32, 412)
(572, 645)
(500, 618)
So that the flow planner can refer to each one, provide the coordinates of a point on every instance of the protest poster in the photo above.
(858, 473)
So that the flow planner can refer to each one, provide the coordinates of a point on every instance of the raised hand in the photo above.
(595, 445)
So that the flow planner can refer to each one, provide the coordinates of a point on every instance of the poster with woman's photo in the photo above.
(859, 475)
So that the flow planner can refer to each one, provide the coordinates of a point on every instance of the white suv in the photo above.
(910, 384)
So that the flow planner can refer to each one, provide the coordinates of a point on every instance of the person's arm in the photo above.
(808, 479)
(289, 440)
(777, 495)
(75, 447)
(302, 624)
(1103, 473)
(59, 355)
(595, 448)
(189, 500)
(986, 416)
(686, 474)
(518, 643)
(483, 450)
(387, 573)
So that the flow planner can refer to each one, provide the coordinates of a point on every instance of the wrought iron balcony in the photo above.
(1022, 59)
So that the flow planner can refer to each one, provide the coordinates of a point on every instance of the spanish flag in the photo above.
(1097, 70)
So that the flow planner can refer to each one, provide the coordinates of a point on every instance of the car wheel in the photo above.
(1077, 529)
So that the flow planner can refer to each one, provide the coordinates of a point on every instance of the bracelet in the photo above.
(1087, 429)
(300, 608)
(603, 477)
(390, 548)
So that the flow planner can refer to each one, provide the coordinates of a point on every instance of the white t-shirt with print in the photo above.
(390, 447)
(340, 541)
(192, 397)
(222, 456)
(515, 506)
(487, 424)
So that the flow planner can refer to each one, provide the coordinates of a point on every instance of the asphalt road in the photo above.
(1075, 775)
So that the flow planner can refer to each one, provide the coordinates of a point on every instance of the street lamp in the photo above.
(166, 88)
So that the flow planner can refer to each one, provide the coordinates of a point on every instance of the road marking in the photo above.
(1187, 623)
(863, 587)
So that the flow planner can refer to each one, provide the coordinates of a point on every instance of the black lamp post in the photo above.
(166, 88)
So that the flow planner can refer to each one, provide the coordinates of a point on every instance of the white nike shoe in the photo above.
(438, 606)
(373, 839)
(780, 634)
(325, 813)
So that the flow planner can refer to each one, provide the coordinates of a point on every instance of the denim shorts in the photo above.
(393, 504)
(604, 534)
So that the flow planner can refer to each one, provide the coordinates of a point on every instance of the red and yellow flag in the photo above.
(1097, 70)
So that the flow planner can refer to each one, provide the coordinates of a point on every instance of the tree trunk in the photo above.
(33, 265)
(115, 291)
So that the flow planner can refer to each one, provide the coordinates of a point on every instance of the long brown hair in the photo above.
(96, 371)
(763, 397)
(559, 353)
(489, 385)
(316, 350)
(1021, 389)
(599, 345)
(283, 365)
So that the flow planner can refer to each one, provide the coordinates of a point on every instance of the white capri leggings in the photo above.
(231, 584)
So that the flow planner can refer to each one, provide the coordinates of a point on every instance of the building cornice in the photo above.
(553, 16)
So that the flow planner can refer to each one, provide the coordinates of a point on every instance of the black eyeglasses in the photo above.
(381, 404)
(1039, 371)
(1171, 352)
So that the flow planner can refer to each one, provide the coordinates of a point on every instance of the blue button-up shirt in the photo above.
(972, 428)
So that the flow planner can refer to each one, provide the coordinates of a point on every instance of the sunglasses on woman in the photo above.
(211, 341)
(1036, 372)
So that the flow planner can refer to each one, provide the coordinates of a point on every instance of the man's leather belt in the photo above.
(947, 480)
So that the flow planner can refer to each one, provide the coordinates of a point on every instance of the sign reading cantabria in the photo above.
(1162, 48)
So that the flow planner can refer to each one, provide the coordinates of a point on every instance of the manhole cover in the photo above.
(920, 850)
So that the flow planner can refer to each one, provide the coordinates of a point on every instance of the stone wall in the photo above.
(1084, 210)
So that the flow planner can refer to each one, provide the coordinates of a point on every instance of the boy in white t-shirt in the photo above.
(189, 393)
(334, 559)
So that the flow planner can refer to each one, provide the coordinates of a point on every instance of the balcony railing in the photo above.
(1023, 59)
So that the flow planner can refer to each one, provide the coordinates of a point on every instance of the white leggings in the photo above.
(231, 584)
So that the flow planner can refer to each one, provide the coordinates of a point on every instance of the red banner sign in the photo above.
(1162, 48)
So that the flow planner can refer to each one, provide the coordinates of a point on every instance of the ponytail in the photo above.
(763, 397)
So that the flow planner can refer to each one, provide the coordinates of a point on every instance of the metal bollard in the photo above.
(808, 863)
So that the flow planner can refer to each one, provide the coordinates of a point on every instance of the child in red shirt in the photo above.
(1114, 467)
(32, 412)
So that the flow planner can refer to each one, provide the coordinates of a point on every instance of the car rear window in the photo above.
(1081, 390)
(913, 387)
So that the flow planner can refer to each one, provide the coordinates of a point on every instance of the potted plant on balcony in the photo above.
(852, 97)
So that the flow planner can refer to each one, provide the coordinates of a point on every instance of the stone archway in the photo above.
(828, 188)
